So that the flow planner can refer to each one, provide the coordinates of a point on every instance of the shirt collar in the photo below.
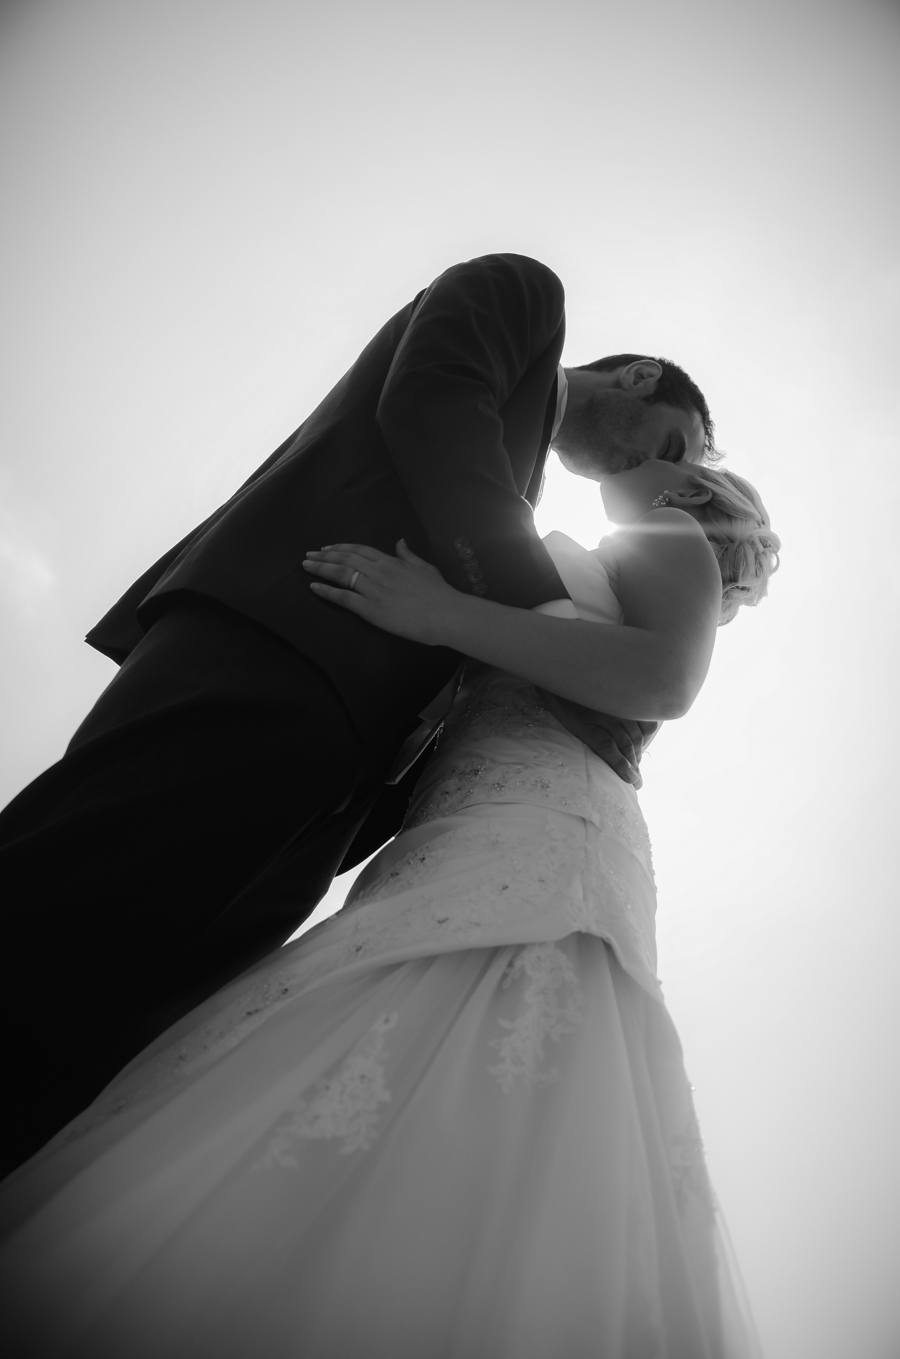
(562, 396)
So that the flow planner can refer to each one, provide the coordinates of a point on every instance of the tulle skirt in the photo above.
(482, 1154)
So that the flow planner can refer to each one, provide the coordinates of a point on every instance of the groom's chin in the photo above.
(592, 466)
(580, 464)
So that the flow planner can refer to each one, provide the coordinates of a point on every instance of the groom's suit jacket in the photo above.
(438, 434)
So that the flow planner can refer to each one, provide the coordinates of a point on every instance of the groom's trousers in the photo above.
(199, 814)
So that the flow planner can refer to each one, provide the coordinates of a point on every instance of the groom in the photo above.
(205, 803)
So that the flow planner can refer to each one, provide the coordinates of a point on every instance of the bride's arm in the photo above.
(649, 667)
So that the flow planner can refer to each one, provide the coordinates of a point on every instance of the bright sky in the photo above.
(212, 206)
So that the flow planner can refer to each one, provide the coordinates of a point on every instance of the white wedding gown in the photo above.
(452, 1122)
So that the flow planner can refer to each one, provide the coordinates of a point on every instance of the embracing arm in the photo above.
(649, 667)
(473, 338)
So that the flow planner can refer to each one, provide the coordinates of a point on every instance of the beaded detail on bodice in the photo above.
(500, 744)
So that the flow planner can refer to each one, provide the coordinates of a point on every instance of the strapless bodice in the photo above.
(501, 745)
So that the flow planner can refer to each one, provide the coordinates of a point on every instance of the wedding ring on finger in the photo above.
(353, 579)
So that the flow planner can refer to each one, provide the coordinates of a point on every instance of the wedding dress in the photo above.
(451, 1122)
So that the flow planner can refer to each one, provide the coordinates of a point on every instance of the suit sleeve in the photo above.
(475, 334)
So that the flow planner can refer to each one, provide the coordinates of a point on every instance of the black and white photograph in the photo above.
(450, 600)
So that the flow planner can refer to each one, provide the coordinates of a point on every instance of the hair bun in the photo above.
(736, 524)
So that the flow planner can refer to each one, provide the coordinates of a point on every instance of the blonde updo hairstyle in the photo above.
(736, 524)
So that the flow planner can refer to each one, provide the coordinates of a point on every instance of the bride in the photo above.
(451, 1122)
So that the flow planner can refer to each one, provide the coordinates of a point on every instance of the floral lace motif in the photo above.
(344, 1106)
(545, 1014)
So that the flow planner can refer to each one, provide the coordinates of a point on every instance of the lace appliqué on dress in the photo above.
(546, 1014)
(343, 1106)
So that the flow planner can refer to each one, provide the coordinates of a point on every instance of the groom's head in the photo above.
(626, 408)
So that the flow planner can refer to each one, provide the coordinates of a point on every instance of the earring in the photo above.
(661, 501)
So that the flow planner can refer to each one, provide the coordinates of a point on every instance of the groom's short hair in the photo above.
(674, 388)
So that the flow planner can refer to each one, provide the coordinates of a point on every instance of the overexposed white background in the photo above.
(211, 207)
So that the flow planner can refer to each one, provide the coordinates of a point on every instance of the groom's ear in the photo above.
(640, 377)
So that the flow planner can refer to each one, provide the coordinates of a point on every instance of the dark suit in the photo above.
(208, 798)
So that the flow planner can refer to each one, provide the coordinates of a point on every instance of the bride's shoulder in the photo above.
(666, 554)
(665, 544)
(659, 530)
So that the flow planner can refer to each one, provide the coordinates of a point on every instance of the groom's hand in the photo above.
(620, 741)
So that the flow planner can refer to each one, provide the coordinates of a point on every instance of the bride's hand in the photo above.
(403, 594)
(620, 741)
